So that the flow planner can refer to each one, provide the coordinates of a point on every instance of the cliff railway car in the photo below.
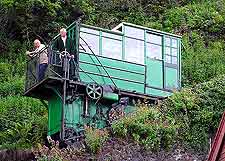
(114, 69)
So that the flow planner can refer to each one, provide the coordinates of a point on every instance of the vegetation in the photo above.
(22, 120)
(94, 138)
(197, 112)
(190, 116)
(149, 127)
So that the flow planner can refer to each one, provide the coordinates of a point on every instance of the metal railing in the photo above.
(56, 67)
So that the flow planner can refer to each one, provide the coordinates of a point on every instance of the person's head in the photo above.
(37, 43)
(63, 32)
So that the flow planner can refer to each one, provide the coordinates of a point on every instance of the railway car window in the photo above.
(174, 52)
(167, 41)
(168, 58)
(112, 45)
(154, 51)
(171, 51)
(134, 32)
(134, 50)
(167, 50)
(174, 43)
(174, 60)
(155, 39)
(112, 48)
(92, 42)
(154, 46)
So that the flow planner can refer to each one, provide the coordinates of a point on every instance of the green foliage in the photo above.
(148, 126)
(197, 112)
(201, 63)
(14, 87)
(94, 138)
(4, 72)
(29, 17)
(189, 117)
(22, 122)
(207, 16)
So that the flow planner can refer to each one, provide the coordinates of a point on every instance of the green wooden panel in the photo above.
(73, 113)
(113, 63)
(54, 114)
(157, 92)
(171, 78)
(113, 72)
(129, 86)
(154, 73)
(127, 76)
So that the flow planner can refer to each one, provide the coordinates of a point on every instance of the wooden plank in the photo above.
(217, 143)
(221, 156)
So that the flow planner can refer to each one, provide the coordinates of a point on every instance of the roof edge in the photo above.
(150, 29)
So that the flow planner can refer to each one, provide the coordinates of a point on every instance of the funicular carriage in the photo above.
(115, 68)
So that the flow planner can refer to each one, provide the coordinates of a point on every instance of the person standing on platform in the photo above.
(41, 52)
(64, 43)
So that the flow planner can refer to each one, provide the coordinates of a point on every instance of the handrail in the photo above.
(37, 54)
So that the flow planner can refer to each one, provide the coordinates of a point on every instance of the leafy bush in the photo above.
(201, 63)
(13, 87)
(189, 117)
(5, 72)
(207, 17)
(148, 126)
(55, 153)
(52, 153)
(94, 138)
(197, 112)
(23, 122)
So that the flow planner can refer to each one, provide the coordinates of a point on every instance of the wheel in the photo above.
(94, 91)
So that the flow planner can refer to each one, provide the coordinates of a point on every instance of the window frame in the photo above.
(170, 46)
(161, 45)
(114, 39)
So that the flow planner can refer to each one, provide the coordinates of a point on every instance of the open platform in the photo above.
(45, 88)
(50, 85)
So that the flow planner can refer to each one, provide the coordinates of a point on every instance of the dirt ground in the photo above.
(113, 150)
(120, 150)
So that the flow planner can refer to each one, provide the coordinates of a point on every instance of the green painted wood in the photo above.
(179, 62)
(54, 114)
(126, 75)
(129, 86)
(154, 73)
(157, 92)
(163, 60)
(113, 72)
(112, 62)
(171, 78)
(73, 113)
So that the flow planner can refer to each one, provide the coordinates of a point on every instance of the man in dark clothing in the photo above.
(64, 43)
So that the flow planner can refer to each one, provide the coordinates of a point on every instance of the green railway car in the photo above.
(115, 69)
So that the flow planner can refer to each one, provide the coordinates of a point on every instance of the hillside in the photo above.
(189, 117)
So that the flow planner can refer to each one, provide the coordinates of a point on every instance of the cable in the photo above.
(100, 64)
(85, 72)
